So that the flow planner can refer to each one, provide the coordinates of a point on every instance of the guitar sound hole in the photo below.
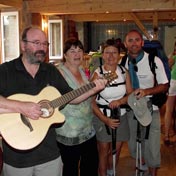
(46, 108)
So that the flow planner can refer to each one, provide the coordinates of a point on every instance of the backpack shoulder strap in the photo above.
(152, 64)
(123, 60)
(101, 70)
(101, 61)
(122, 68)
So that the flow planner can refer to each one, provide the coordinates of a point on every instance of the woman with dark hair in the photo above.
(76, 138)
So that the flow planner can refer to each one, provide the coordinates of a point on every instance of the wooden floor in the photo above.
(168, 161)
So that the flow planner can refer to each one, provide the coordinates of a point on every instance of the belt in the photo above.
(74, 140)
(112, 111)
(124, 106)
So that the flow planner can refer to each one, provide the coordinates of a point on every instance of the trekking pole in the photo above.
(139, 170)
(115, 114)
(114, 150)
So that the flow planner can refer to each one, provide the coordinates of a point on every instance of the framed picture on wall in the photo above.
(55, 35)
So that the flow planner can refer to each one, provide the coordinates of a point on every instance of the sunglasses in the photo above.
(134, 65)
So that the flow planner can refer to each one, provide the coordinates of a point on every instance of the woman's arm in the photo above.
(99, 85)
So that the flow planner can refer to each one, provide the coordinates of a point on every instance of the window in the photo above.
(55, 39)
(10, 35)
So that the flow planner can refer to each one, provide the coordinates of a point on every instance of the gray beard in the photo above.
(34, 59)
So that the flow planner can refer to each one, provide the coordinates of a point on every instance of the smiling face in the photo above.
(73, 52)
(111, 55)
(74, 56)
(134, 43)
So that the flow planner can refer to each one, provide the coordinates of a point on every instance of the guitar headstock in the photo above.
(110, 77)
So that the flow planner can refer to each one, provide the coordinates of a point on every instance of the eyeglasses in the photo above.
(107, 52)
(38, 44)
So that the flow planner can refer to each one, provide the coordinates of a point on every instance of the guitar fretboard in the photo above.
(64, 99)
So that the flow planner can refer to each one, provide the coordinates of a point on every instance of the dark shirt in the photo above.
(15, 79)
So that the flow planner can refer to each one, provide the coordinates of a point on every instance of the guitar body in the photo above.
(17, 134)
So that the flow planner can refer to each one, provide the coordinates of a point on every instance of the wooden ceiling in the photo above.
(100, 10)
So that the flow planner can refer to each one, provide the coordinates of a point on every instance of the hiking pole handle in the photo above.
(115, 113)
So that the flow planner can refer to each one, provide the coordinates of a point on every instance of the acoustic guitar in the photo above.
(23, 133)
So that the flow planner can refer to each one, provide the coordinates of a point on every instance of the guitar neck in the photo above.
(64, 99)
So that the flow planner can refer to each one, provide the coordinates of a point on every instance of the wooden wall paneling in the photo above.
(72, 29)
(65, 28)
(36, 19)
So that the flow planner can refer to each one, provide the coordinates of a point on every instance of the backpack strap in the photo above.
(123, 60)
(101, 61)
(122, 68)
(114, 84)
(101, 70)
(152, 65)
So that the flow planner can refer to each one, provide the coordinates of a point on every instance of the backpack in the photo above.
(155, 48)
(160, 98)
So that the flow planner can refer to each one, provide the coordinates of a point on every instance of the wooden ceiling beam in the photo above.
(141, 26)
(11, 3)
(124, 16)
(98, 6)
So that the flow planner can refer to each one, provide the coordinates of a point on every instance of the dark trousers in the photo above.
(81, 158)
